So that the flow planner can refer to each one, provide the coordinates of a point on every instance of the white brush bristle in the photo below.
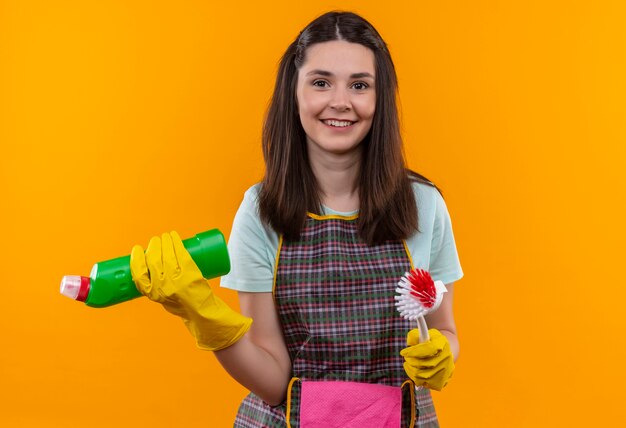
(409, 306)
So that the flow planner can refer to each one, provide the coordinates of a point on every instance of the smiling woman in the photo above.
(343, 57)
(319, 245)
(317, 249)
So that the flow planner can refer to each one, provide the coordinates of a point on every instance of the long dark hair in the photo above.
(289, 188)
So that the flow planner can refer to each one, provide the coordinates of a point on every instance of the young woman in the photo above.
(318, 247)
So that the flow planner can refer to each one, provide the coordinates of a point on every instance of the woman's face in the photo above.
(336, 96)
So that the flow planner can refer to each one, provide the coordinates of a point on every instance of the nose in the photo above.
(340, 100)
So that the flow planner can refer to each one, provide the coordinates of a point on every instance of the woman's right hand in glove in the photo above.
(167, 274)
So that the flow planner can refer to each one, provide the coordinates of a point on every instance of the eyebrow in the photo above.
(328, 74)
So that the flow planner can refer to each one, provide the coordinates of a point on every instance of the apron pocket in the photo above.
(349, 405)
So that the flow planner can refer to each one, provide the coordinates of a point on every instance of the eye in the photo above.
(320, 83)
(359, 86)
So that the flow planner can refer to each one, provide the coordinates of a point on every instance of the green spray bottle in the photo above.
(111, 282)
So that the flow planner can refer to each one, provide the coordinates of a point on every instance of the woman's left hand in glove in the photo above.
(431, 363)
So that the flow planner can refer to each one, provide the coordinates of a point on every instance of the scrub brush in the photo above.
(417, 296)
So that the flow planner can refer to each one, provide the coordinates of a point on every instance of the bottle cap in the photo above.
(75, 287)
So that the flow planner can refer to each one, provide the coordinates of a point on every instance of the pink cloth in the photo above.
(336, 404)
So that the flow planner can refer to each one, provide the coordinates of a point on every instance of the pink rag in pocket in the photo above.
(336, 404)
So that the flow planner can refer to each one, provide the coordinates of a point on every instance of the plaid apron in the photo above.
(335, 299)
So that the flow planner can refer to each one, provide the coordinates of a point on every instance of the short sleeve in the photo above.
(252, 248)
(444, 259)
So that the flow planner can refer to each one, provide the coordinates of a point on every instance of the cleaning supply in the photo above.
(111, 282)
(166, 274)
(429, 364)
(428, 359)
(417, 296)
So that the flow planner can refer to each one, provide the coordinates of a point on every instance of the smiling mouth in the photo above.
(338, 123)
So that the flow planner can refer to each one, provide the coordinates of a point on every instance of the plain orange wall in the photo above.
(123, 119)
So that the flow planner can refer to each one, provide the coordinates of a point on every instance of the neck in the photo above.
(337, 178)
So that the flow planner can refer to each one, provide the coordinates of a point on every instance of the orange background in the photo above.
(123, 119)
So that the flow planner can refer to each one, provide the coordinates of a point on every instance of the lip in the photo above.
(338, 119)
(339, 128)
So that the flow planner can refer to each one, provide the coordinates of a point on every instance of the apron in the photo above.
(335, 299)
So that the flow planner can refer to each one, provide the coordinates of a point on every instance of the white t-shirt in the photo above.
(253, 244)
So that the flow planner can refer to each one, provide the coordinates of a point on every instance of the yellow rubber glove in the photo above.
(431, 363)
(167, 274)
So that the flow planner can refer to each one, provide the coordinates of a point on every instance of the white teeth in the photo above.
(339, 123)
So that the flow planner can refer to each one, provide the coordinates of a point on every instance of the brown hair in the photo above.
(289, 188)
